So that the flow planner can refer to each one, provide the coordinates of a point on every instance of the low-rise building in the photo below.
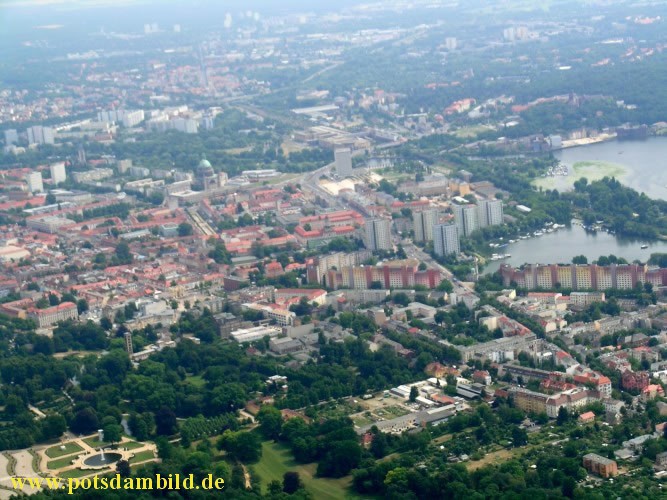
(599, 465)
(254, 334)
(55, 314)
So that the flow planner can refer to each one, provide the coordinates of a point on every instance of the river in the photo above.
(560, 246)
(641, 165)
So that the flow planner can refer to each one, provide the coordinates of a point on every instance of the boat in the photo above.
(644, 247)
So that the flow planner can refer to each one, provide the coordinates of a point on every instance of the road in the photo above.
(417, 253)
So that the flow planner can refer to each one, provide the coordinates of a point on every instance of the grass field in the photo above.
(470, 132)
(81, 473)
(60, 462)
(142, 456)
(131, 445)
(196, 380)
(55, 451)
(94, 442)
(277, 459)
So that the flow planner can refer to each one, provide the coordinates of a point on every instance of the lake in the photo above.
(641, 165)
(560, 246)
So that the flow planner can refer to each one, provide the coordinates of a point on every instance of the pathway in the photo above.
(5, 481)
(24, 468)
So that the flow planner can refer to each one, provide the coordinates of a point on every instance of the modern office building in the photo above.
(343, 159)
(58, 173)
(446, 239)
(423, 223)
(35, 184)
(378, 234)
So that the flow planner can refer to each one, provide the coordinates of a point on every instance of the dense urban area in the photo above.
(272, 244)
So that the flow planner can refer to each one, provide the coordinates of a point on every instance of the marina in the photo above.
(559, 244)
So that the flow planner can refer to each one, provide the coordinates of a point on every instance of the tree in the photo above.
(519, 436)
(291, 482)
(185, 229)
(275, 488)
(82, 305)
(580, 259)
(270, 421)
(122, 253)
(123, 468)
(244, 446)
(138, 427)
(53, 426)
(379, 445)
(563, 416)
(414, 393)
(422, 266)
(185, 439)
(569, 485)
(440, 317)
(340, 459)
(165, 422)
(53, 300)
(113, 433)
(85, 421)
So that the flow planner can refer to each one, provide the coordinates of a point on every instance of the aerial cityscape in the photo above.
(409, 249)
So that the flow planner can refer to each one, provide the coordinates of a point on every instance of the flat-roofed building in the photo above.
(255, 333)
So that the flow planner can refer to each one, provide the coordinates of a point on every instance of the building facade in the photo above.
(378, 234)
(423, 224)
(446, 239)
(343, 160)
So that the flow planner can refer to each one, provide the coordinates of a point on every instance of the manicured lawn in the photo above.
(55, 451)
(81, 473)
(131, 445)
(60, 462)
(277, 459)
(142, 456)
(94, 442)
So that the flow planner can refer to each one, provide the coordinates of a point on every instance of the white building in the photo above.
(446, 239)
(58, 173)
(129, 118)
(11, 137)
(40, 135)
(490, 213)
(35, 184)
(343, 159)
(451, 43)
(378, 234)
(423, 223)
(466, 218)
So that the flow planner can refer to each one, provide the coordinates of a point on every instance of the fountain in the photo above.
(102, 459)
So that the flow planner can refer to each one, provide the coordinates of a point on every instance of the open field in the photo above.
(277, 459)
(471, 132)
(496, 457)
